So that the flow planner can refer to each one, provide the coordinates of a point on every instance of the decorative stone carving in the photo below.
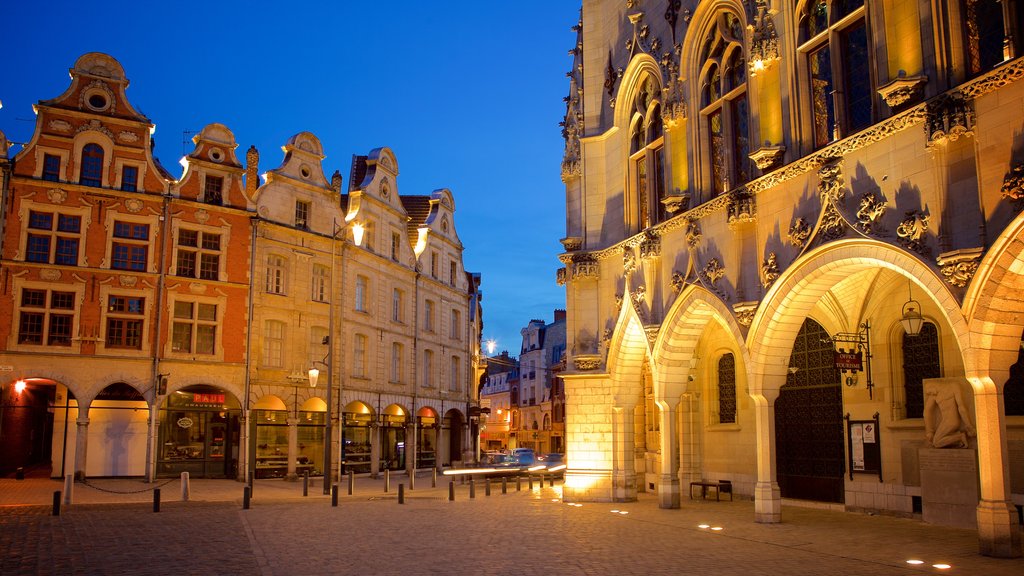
(586, 362)
(767, 157)
(741, 208)
(202, 216)
(197, 288)
(947, 418)
(96, 125)
(713, 271)
(638, 298)
(950, 116)
(628, 261)
(618, 303)
(560, 276)
(585, 267)
(133, 205)
(652, 333)
(49, 274)
(572, 243)
(672, 15)
(912, 230)
(126, 136)
(745, 312)
(902, 90)
(94, 87)
(764, 43)
(59, 125)
(676, 202)
(830, 180)
(677, 282)
(650, 247)
(769, 270)
(958, 266)
(869, 216)
(799, 232)
(833, 225)
(1013, 185)
(609, 78)
(127, 281)
(995, 79)
(693, 234)
(56, 195)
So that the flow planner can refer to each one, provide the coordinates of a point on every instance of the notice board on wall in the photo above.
(863, 447)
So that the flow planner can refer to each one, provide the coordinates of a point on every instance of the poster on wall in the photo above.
(864, 453)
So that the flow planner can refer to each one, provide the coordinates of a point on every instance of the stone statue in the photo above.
(947, 423)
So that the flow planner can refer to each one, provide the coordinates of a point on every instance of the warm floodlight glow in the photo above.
(556, 468)
(535, 468)
(716, 528)
(703, 526)
(915, 562)
(19, 386)
(357, 233)
(615, 511)
(942, 566)
(580, 481)
(757, 66)
(623, 512)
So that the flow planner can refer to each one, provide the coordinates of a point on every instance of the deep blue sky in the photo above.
(467, 94)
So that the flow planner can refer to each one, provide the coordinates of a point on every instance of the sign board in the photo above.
(864, 454)
(208, 398)
(849, 360)
(7, 368)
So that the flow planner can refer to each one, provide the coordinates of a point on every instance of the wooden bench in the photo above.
(720, 486)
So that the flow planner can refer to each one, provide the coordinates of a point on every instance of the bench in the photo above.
(720, 486)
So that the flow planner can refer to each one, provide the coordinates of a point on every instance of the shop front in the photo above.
(356, 446)
(199, 433)
(273, 423)
(426, 440)
(392, 432)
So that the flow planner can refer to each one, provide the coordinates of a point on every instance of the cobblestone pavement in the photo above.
(521, 533)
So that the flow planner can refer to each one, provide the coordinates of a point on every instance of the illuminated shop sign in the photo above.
(208, 398)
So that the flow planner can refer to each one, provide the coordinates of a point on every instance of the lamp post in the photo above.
(314, 376)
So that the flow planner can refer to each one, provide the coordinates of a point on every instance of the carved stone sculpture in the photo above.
(769, 270)
(869, 216)
(799, 232)
(947, 422)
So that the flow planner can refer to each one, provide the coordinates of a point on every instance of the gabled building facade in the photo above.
(789, 255)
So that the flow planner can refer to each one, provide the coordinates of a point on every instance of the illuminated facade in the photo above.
(166, 325)
(758, 195)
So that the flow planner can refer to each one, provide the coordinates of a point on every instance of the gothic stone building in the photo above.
(793, 255)
(152, 324)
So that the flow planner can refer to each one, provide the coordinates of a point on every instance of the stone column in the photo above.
(668, 476)
(690, 442)
(623, 464)
(767, 496)
(375, 433)
(998, 530)
(81, 443)
(293, 450)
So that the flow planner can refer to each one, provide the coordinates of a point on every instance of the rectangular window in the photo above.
(456, 327)
(452, 269)
(396, 362)
(395, 240)
(130, 248)
(129, 178)
(37, 320)
(433, 265)
(428, 368)
(397, 304)
(361, 288)
(302, 215)
(212, 193)
(194, 327)
(822, 105)
(124, 322)
(275, 274)
(51, 167)
(319, 283)
(428, 315)
(63, 241)
(198, 254)
(359, 356)
(456, 374)
(716, 131)
(273, 343)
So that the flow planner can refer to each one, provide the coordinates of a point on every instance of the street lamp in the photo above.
(314, 376)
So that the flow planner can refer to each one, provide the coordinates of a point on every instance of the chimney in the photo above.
(559, 315)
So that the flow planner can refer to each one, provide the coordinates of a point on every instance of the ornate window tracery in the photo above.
(647, 158)
(725, 113)
(920, 361)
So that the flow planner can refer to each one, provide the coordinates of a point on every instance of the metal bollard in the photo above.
(387, 481)
(56, 502)
(412, 479)
(156, 499)
(401, 493)
(334, 495)
(69, 487)
(451, 491)
(472, 488)
(246, 496)
(504, 485)
(487, 487)
(351, 483)
(530, 478)
(519, 483)
(305, 483)
(19, 473)
(252, 482)
(433, 481)
(186, 488)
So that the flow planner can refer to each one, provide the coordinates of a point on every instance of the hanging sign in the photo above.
(849, 360)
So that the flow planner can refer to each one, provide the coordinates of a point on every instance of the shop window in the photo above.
(46, 244)
(125, 321)
(198, 254)
(91, 173)
(646, 160)
(130, 247)
(273, 344)
(195, 327)
(46, 317)
(319, 283)
(51, 167)
(213, 190)
(920, 361)
(275, 274)
(129, 178)
(727, 389)
(724, 105)
(302, 215)
(834, 41)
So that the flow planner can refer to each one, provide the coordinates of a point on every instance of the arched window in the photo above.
(547, 422)
(920, 361)
(91, 173)
(515, 395)
(834, 43)
(724, 111)
(727, 389)
(646, 158)
(988, 38)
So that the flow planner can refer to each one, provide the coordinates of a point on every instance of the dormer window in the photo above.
(92, 166)
(212, 192)
(302, 215)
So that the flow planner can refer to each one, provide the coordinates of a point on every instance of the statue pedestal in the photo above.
(949, 486)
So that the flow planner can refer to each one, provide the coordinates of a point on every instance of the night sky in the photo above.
(467, 94)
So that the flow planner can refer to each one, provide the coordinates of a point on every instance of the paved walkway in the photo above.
(521, 533)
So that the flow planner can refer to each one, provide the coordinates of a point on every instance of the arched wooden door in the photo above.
(809, 421)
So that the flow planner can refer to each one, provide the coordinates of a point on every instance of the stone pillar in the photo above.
(767, 496)
(623, 463)
(690, 442)
(375, 434)
(668, 476)
(411, 446)
(81, 443)
(293, 449)
(998, 530)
